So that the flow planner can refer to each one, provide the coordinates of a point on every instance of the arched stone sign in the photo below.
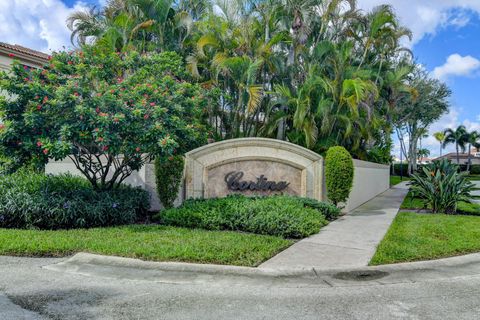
(253, 166)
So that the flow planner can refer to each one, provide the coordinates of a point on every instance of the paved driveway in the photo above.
(28, 291)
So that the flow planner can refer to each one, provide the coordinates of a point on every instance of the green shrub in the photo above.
(285, 216)
(475, 169)
(168, 176)
(338, 174)
(330, 212)
(29, 200)
(400, 168)
(441, 186)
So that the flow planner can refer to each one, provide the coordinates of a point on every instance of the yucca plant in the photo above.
(442, 186)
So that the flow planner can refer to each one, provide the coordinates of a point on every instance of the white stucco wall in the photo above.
(369, 180)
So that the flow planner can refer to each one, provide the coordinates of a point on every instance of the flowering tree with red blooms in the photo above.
(110, 113)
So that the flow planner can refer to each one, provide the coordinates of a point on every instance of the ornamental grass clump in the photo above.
(441, 186)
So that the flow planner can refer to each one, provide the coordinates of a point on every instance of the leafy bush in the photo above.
(338, 174)
(441, 186)
(285, 216)
(168, 176)
(107, 111)
(330, 212)
(475, 169)
(400, 168)
(30, 200)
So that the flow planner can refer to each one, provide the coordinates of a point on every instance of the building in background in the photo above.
(27, 57)
(463, 157)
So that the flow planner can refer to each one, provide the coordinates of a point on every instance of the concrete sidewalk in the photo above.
(349, 242)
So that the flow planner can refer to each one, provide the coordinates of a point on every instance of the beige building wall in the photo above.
(5, 63)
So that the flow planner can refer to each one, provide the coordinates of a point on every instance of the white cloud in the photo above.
(450, 120)
(425, 17)
(456, 65)
(37, 24)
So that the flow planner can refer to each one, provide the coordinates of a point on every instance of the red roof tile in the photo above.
(24, 50)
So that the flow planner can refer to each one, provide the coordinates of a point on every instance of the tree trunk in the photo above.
(469, 164)
(458, 155)
(281, 129)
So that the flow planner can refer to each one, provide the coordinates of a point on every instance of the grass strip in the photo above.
(147, 242)
(414, 237)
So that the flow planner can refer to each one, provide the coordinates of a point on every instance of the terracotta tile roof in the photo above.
(27, 51)
(454, 155)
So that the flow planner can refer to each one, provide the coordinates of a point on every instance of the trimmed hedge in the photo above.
(338, 174)
(474, 169)
(285, 216)
(168, 176)
(29, 200)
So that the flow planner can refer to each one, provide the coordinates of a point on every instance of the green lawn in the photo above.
(148, 242)
(415, 237)
(394, 180)
(412, 202)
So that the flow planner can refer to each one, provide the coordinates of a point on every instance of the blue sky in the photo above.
(446, 34)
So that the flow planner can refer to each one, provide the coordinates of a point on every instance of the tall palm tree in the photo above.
(473, 140)
(440, 137)
(459, 137)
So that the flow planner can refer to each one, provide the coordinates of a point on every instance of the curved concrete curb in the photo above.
(179, 267)
(133, 269)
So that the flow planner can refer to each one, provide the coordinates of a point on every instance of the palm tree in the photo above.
(145, 25)
(315, 72)
(459, 137)
(440, 137)
(473, 140)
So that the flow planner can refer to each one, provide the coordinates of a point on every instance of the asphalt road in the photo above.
(28, 291)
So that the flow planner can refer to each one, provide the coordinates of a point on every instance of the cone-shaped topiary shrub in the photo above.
(338, 174)
(168, 176)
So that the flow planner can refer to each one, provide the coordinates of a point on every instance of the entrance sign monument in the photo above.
(253, 166)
